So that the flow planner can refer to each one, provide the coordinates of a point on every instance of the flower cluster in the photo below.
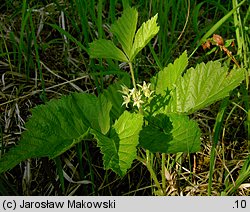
(137, 96)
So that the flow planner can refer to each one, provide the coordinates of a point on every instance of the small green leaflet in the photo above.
(124, 29)
(144, 34)
(106, 49)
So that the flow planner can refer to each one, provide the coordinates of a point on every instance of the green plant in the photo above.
(151, 117)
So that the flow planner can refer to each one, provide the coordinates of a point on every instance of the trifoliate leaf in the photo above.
(170, 133)
(124, 29)
(106, 49)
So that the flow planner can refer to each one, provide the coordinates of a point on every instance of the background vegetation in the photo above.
(43, 55)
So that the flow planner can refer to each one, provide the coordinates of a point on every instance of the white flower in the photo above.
(136, 96)
(124, 90)
(132, 92)
(146, 89)
(137, 99)
(126, 100)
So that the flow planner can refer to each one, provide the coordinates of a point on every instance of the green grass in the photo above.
(44, 54)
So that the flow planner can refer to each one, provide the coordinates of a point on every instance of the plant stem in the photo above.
(163, 168)
(132, 74)
(151, 171)
(148, 159)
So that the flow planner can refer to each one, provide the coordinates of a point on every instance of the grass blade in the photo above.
(216, 26)
(217, 130)
(60, 172)
(244, 175)
(69, 36)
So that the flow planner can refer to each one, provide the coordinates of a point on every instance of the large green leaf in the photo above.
(124, 29)
(166, 78)
(202, 86)
(106, 49)
(58, 125)
(144, 34)
(170, 133)
(119, 149)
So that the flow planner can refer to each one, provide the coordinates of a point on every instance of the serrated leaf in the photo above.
(127, 128)
(171, 133)
(202, 86)
(119, 149)
(109, 149)
(124, 29)
(106, 49)
(165, 80)
(144, 34)
(48, 131)
(56, 126)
